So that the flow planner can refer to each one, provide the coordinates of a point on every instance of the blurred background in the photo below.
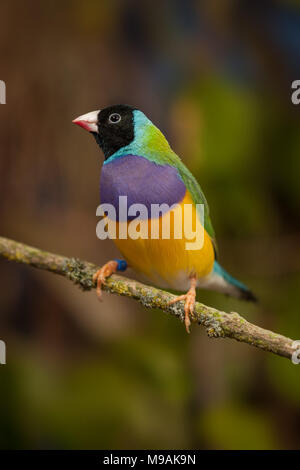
(215, 76)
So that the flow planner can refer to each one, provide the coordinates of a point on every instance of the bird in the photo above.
(140, 164)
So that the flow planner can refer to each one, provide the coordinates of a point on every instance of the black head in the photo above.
(112, 127)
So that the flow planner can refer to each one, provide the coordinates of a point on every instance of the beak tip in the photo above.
(88, 121)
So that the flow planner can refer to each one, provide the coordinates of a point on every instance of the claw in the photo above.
(190, 299)
(102, 274)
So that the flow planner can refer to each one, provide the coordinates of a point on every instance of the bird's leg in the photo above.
(107, 270)
(190, 299)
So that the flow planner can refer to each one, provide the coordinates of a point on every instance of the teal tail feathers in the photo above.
(231, 286)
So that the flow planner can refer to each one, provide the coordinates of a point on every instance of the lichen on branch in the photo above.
(218, 324)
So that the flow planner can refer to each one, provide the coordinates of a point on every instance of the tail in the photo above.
(224, 282)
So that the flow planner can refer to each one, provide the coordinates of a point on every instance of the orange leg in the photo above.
(100, 276)
(190, 299)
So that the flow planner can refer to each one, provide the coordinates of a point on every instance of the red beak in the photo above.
(88, 121)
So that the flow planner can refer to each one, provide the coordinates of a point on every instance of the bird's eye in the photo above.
(114, 118)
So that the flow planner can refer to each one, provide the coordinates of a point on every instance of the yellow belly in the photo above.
(167, 262)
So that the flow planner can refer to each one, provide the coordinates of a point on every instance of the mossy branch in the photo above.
(218, 324)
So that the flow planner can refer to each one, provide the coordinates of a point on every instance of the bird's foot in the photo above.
(189, 304)
(102, 274)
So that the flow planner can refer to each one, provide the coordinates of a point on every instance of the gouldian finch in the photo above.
(140, 164)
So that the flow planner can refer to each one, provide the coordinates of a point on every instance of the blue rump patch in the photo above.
(122, 265)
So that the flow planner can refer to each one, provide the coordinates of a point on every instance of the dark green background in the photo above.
(216, 77)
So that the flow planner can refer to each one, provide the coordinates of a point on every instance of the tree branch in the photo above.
(217, 323)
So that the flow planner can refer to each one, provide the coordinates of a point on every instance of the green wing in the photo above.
(198, 198)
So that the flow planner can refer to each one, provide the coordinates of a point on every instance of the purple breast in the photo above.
(142, 181)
